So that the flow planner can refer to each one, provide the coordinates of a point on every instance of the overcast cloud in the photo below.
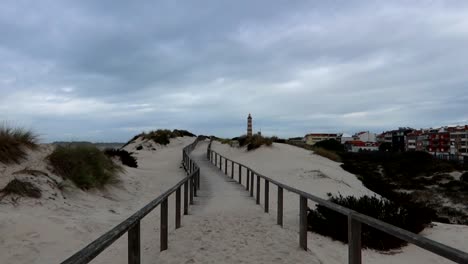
(106, 70)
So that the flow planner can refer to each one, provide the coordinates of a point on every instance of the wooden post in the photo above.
(190, 166)
(258, 189)
(251, 183)
(279, 217)
(240, 174)
(163, 230)
(220, 163)
(198, 177)
(303, 222)
(134, 250)
(191, 190)
(177, 210)
(186, 187)
(232, 169)
(267, 196)
(225, 166)
(247, 180)
(194, 185)
(216, 159)
(354, 241)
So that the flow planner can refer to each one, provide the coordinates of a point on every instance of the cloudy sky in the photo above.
(106, 70)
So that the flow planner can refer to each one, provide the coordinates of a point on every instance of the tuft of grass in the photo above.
(22, 188)
(125, 157)
(86, 166)
(254, 142)
(14, 142)
(329, 154)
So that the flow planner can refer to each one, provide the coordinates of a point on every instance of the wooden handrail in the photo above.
(132, 223)
(355, 219)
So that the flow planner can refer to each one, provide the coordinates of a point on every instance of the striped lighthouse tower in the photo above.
(249, 126)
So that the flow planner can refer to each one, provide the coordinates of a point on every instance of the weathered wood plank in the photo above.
(258, 190)
(134, 250)
(354, 241)
(279, 217)
(251, 183)
(303, 222)
(186, 189)
(177, 210)
(267, 196)
(164, 228)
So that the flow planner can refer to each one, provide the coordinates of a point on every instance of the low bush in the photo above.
(163, 136)
(14, 142)
(254, 142)
(327, 154)
(22, 188)
(86, 166)
(330, 144)
(335, 225)
(125, 157)
(182, 133)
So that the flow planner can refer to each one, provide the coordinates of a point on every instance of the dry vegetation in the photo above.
(86, 166)
(14, 143)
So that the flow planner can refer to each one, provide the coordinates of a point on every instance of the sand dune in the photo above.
(317, 175)
(50, 229)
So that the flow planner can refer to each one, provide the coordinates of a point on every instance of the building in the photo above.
(459, 141)
(249, 126)
(365, 136)
(313, 138)
(346, 137)
(360, 146)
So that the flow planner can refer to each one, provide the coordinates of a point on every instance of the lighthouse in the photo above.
(249, 126)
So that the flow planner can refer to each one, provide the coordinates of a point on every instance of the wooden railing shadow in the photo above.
(355, 219)
(132, 224)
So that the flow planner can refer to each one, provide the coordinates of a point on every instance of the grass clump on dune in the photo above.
(14, 142)
(254, 142)
(86, 166)
(125, 157)
(329, 154)
(21, 188)
(162, 136)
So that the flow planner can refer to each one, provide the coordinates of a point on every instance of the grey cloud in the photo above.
(298, 66)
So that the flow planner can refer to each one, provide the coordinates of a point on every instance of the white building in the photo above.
(366, 136)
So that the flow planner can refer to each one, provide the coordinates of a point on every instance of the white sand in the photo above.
(224, 226)
(227, 227)
(48, 231)
(298, 168)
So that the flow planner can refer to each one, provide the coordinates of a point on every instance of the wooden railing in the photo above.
(132, 224)
(355, 219)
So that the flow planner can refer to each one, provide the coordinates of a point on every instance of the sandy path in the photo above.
(225, 226)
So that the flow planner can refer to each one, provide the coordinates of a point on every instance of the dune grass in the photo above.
(14, 142)
(329, 154)
(86, 166)
(21, 188)
(125, 157)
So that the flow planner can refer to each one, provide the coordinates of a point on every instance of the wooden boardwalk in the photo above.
(228, 227)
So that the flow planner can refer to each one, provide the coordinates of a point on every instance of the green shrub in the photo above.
(86, 166)
(125, 157)
(330, 144)
(182, 133)
(21, 188)
(163, 136)
(335, 225)
(14, 142)
(327, 154)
